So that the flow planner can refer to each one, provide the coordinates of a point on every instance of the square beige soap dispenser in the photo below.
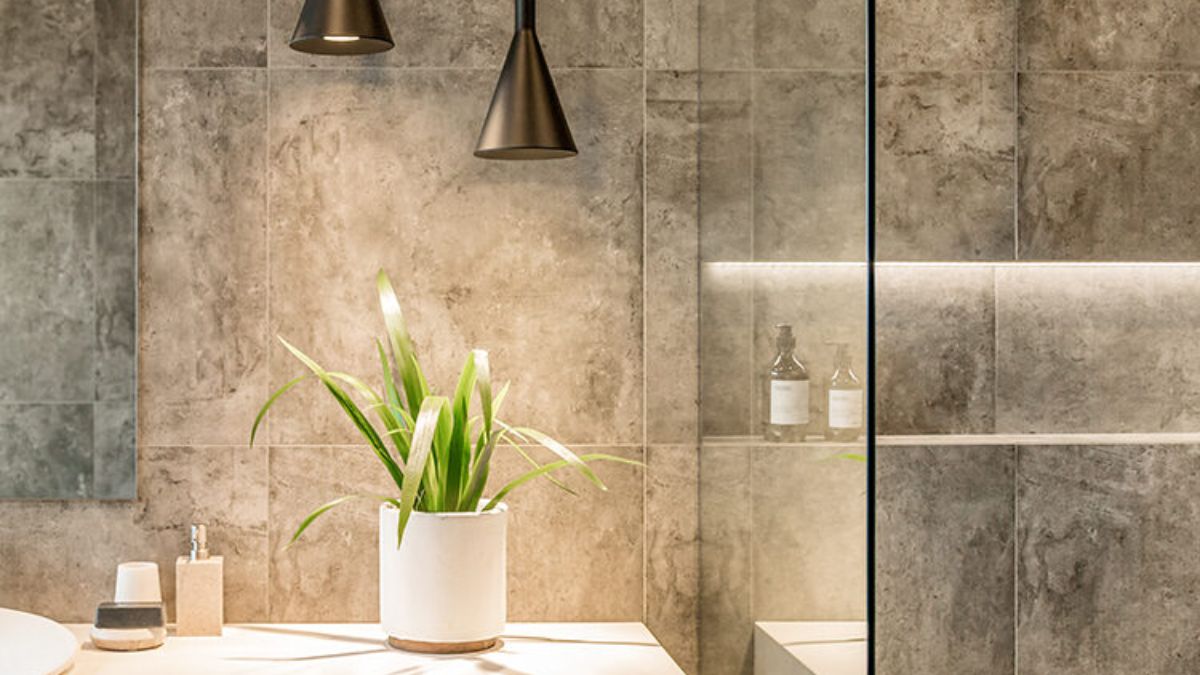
(199, 589)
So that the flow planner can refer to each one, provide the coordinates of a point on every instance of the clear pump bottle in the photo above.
(788, 392)
(845, 404)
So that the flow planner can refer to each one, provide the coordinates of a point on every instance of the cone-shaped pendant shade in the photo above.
(525, 120)
(341, 28)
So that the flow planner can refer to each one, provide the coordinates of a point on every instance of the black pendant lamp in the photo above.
(341, 28)
(525, 120)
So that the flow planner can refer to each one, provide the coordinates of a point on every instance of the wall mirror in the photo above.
(68, 162)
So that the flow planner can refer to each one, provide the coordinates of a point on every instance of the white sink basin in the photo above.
(34, 645)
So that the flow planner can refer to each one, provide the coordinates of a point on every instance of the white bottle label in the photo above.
(789, 402)
(845, 408)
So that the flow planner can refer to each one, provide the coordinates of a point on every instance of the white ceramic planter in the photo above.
(443, 590)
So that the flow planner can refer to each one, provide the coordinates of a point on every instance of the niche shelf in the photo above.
(1152, 438)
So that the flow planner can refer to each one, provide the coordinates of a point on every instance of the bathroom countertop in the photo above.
(810, 648)
(359, 648)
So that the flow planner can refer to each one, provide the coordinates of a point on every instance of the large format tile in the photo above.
(726, 35)
(672, 34)
(115, 290)
(202, 266)
(946, 166)
(935, 350)
(574, 557)
(116, 85)
(49, 571)
(726, 167)
(944, 560)
(1108, 35)
(1097, 349)
(1107, 166)
(726, 561)
(946, 35)
(114, 451)
(226, 489)
(470, 34)
(47, 109)
(672, 542)
(539, 262)
(810, 168)
(210, 34)
(46, 260)
(810, 534)
(670, 259)
(1107, 564)
(46, 451)
(332, 572)
(817, 34)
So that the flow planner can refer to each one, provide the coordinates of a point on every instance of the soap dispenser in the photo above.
(199, 589)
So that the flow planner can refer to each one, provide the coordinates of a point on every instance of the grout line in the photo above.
(645, 337)
(1016, 113)
(1016, 541)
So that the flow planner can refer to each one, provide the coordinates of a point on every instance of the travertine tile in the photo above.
(468, 34)
(1108, 580)
(672, 34)
(575, 557)
(810, 166)
(61, 557)
(810, 534)
(827, 34)
(726, 167)
(825, 305)
(670, 259)
(672, 541)
(944, 560)
(47, 109)
(946, 35)
(332, 572)
(539, 262)
(1097, 349)
(935, 350)
(46, 259)
(1107, 166)
(945, 145)
(1108, 35)
(215, 33)
(202, 266)
(116, 83)
(726, 350)
(115, 290)
(46, 450)
(726, 561)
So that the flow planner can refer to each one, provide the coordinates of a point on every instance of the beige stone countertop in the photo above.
(527, 649)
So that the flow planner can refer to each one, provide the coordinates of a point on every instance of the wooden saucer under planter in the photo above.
(442, 647)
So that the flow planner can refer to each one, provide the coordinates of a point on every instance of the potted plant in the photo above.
(442, 533)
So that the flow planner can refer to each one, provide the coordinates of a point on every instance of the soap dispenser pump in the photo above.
(199, 588)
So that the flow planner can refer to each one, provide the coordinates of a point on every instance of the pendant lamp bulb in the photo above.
(341, 28)
(525, 119)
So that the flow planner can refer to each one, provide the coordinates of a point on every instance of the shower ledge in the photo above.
(810, 648)
(1154, 438)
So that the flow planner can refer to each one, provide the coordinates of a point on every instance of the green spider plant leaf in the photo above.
(320, 510)
(271, 401)
(411, 377)
(553, 466)
(433, 408)
(524, 434)
(352, 410)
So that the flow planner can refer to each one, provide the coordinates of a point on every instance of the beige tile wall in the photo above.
(274, 185)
